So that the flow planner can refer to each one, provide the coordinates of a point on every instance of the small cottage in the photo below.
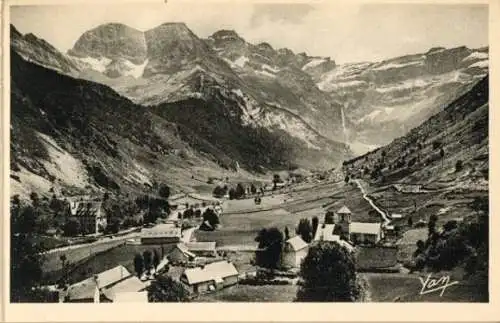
(294, 251)
(360, 232)
(211, 277)
(181, 254)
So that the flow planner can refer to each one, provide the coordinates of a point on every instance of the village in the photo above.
(204, 246)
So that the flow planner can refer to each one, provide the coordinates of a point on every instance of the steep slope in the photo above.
(450, 149)
(81, 136)
(383, 100)
(278, 78)
(170, 64)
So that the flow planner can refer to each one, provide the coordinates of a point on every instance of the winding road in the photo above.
(386, 218)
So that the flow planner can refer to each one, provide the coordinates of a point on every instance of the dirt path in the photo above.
(385, 217)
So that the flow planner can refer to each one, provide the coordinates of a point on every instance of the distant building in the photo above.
(90, 215)
(294, 251)
(103, 287)
(360, 232)
(161, 234)
(181, 254)
(202, 249)
(211, 277)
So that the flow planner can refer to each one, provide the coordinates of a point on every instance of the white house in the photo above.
(360, 232)
(295, 250)
(210, 277)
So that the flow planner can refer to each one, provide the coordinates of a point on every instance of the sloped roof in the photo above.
(213, 271)
(131, 284)
(365, 228)
(344, 210)
(201, 246)
(297, 243)
(184, 249)
(85, 289)
(162, 230)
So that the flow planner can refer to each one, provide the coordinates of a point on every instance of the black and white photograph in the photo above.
(249, 152)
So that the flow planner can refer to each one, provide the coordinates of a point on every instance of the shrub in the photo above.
(459, 166)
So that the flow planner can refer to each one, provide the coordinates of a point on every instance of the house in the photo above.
(161, 234)
(360, 232)
(326, 233)
(211, 277)
(181, 254)
(103, 287)
(294, 251)
(90, 215)
(202, 249)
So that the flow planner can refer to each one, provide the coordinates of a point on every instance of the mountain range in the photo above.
(221, 100)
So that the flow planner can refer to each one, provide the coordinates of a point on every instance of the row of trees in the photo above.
(145, 262)
(238, 192)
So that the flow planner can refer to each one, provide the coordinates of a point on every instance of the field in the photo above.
(248, 293)
(407, 287)
(121, 255)
(241, 228)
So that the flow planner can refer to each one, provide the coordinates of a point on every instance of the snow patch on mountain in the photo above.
(241, 61)
(268, 68)
(134, 70)
(98, 64)
(476, 55)
(313, 63)
(480, 64)
(328, 87)
(266, 73)
(384, 67)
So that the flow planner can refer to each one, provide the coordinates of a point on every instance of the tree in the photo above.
(218, 191)
(315, 224)
(253, 189)
(26, 262)
(270, 245)
(410, 221)
(156, 258)
(105, 197)
(431, 226)
(72, 228)
(211, 217)
(329, 218)
(346, 179)
(287, 234)
(23, 220)
(164, 191)
(148, 260)
(232, 193)
(113, 225)
(35, 199)
(304, 230)
(459, 165)
(329, 275)
(138, 264)
(165, 289)
(240, 191)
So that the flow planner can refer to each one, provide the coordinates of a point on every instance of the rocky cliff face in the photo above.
(310, 98)
(112, 41)
(384, 100)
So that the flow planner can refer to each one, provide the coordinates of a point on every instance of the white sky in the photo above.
(347, 33)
